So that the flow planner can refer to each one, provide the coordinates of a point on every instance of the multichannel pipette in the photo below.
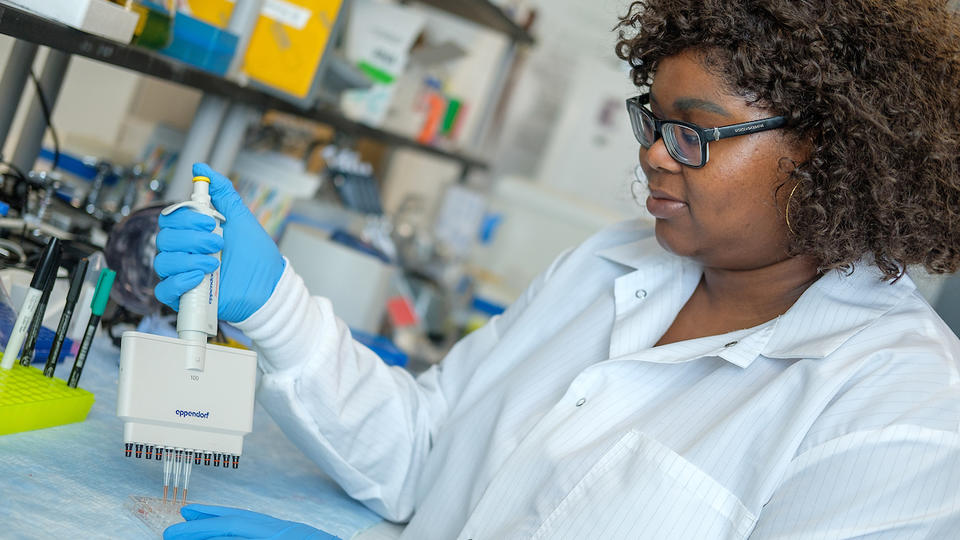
(182, 401)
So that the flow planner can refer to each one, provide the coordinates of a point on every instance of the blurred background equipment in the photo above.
(356, 278)
(418, 161)
(130, 250)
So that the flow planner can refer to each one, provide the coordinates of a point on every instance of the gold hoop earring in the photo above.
(786, 211)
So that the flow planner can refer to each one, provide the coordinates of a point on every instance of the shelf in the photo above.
(484, 13)
(29, 27)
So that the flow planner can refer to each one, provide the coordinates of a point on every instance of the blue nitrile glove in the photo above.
(204, 521)
(251, 263)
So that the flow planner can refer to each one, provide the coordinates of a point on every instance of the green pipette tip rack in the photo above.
(29, 400)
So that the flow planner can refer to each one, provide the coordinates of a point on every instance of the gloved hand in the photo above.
(204, 521)
(251, 264)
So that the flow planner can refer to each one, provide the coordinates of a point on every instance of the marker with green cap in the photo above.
(100, 296)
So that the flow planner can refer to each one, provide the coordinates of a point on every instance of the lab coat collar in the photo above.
(833, 309)
(640, 254)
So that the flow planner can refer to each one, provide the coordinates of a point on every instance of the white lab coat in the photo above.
(559, 419)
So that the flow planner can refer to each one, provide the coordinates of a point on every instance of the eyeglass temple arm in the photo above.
(754, 126)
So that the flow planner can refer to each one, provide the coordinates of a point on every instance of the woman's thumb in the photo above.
(226, 199)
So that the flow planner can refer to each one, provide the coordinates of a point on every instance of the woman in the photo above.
(757, 366)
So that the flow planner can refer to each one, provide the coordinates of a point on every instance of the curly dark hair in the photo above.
(872, 85)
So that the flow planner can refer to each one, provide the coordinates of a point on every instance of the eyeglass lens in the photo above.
(683, 143)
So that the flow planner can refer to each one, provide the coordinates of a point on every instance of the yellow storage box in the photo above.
(288, 41)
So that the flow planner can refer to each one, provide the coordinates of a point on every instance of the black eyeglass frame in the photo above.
(705, 135)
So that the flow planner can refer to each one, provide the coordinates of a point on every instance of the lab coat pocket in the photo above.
(642, 489)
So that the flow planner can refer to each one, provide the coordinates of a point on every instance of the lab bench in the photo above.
(73, 481)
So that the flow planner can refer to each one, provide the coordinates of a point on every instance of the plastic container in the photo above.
(200, 44)
(269, 183)
(156, 19)
(29, 401)
(288, 44)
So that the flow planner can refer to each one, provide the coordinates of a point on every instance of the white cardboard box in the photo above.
(356, 283)
(99, 17)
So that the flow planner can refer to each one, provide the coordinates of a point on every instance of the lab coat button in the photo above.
(731, 344)
(641, 294)
(581, 401)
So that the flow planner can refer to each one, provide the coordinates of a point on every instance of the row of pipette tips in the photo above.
(179, 463)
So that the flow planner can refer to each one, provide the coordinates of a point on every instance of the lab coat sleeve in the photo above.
(896, 482)
(368, 425)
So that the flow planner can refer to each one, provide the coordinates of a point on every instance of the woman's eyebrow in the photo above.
(686, 104)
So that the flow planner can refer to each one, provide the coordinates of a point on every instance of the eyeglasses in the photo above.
(686, 142)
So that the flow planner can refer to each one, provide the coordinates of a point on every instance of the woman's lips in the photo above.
(663, 206)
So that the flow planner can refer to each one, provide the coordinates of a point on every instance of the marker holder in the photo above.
(29, 400)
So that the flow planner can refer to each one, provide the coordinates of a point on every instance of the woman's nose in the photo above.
(657, 158)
